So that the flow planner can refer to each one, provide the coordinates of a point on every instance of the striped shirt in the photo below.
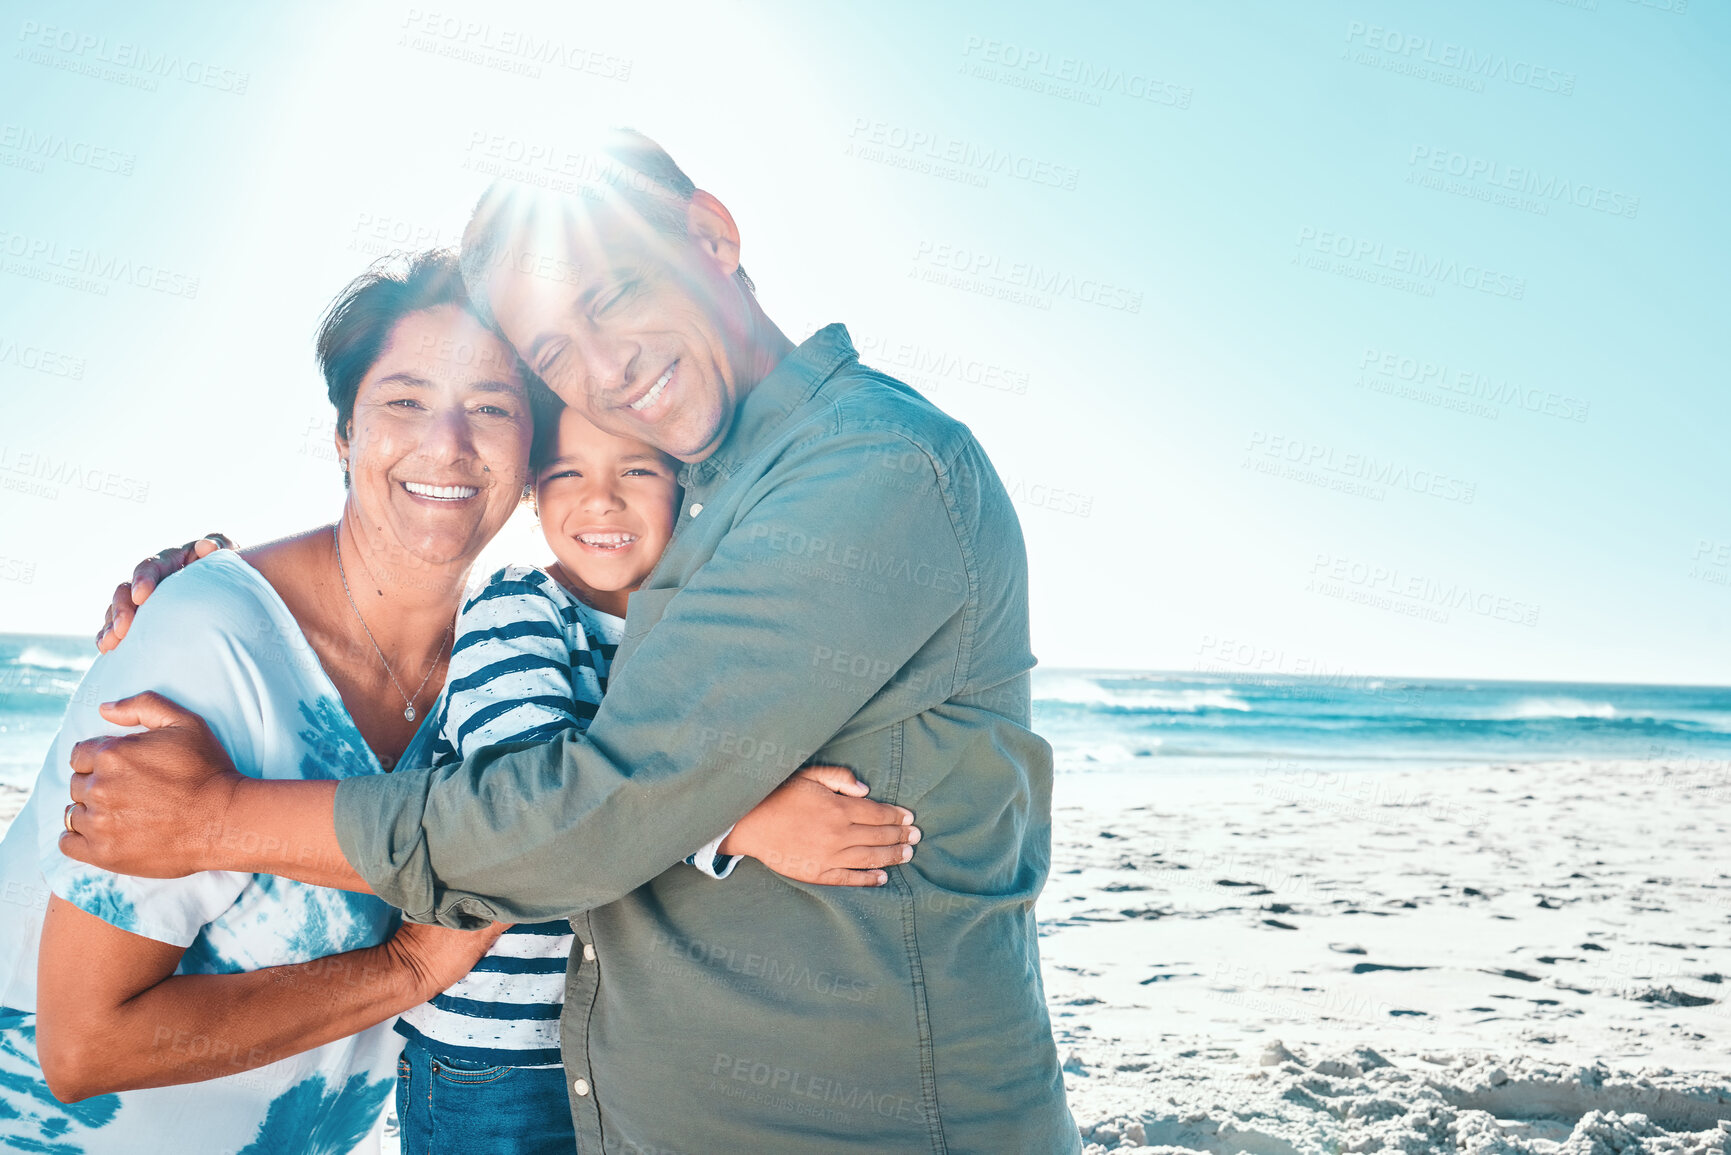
(529, 662)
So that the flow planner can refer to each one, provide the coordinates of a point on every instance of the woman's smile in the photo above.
(442, 494)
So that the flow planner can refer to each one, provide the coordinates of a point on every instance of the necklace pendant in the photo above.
(408, 713)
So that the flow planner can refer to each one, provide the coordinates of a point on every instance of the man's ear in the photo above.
(711, 228)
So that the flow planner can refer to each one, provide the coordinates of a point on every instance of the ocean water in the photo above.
(1181, 722)
(38, 674)
(1126, 720)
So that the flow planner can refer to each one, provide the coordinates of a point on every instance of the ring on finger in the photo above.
(66, 817)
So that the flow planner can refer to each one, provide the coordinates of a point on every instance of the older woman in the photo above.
(238, 1012)
(203, 1014)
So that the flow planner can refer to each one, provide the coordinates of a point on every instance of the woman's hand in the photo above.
(146, 575)
(819, 827)
(438, 956)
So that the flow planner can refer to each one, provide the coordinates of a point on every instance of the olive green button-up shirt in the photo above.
(847, 585)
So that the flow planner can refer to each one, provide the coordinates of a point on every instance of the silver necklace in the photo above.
(408, 702)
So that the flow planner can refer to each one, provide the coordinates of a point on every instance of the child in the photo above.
(481, 1071)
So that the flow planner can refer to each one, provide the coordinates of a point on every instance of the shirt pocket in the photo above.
(642, 611)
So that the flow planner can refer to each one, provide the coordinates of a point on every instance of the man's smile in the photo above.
(646, 403)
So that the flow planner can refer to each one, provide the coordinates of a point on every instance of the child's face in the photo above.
(607, 506)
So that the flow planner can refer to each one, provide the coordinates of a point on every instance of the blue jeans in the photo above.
(447, 1106)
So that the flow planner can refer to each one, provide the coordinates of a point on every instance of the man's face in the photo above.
(641, 333)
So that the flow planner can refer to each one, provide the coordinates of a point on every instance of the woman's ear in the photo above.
(342, 444)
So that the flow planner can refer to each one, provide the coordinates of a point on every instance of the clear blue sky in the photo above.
(1364, 337)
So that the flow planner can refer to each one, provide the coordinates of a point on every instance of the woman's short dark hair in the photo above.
(355, 328)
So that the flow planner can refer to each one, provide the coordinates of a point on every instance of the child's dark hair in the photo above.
(546, 441)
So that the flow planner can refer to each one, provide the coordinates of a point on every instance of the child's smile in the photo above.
(607, 506)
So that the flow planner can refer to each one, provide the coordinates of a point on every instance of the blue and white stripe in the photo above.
(530, 661)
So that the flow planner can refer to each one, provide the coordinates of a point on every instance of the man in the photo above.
(847, 584)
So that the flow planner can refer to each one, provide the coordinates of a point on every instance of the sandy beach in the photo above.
(1486, 960)
(1493, 960)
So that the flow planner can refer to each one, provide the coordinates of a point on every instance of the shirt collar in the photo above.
(793, 382)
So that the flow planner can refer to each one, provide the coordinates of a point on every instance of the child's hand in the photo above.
(819, 827)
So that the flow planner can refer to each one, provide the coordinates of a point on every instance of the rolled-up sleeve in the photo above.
(846, 557)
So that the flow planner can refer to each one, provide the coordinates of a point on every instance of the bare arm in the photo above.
(113, 1016)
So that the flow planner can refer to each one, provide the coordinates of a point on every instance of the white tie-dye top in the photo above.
(216, 639)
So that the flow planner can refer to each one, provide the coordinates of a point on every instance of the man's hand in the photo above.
(438, 956)
(146, 575)
(150, 804)
(819, 827)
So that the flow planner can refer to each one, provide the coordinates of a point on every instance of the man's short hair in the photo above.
(625, 166)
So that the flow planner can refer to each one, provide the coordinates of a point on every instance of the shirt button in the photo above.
(696, 508)
(581, 1086)
(588, 952)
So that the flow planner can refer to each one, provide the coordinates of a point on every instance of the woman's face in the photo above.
(438, 451)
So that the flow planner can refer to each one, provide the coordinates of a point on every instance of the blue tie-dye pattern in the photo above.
(304, 1120)
(101, 895)
(25, 1098)
(331, 753)
(291, 921)
(324, 1100)
(201, 958)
